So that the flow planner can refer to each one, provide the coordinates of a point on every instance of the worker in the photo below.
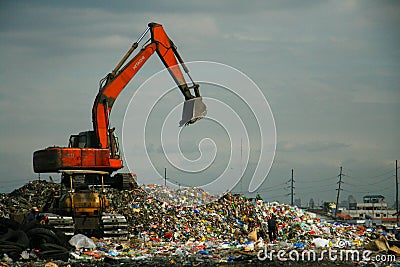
(32, 215)
(272, 228)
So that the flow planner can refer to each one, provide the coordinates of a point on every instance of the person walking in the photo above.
(272, 228)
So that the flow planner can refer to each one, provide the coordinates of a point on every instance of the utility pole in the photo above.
(397, 197)
(165, 177)
(338, 191)
(241, 167)
(292, 190)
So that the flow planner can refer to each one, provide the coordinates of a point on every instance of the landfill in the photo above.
(170, 227)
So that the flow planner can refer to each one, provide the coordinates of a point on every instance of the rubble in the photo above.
(168, 227)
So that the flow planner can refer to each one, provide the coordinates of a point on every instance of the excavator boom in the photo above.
(117, 80)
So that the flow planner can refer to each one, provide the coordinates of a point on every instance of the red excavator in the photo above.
(92, 156)
(98, 150)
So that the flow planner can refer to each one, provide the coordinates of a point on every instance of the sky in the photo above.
(329, 71)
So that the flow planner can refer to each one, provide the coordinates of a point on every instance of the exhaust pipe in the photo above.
(193, 110)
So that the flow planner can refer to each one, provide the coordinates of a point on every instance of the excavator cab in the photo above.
(82, 140)
(88, 140)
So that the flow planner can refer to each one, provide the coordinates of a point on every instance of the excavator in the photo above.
(92, 156)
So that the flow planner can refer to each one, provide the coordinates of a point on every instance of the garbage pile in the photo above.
(181, 197)
(37, 193)
(228, 218)
(169, 227)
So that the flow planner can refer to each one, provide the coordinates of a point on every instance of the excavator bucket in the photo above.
(193, 110)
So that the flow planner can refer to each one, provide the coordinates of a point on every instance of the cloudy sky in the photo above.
(329, 70)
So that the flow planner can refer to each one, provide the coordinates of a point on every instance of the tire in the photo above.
(39, 236)
(8, 223)
(60, 237)
(37, 241)
(44, 233)
(9, 244)
(18, 237)
(50, 246)
(5, 249)
(6, 235)
(28, 226)
(13, 250)
(10, 249)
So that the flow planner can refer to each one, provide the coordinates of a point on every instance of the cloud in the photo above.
(377, 97)
(312, 146)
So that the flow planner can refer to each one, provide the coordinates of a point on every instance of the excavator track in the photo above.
(114, 226)
(63, 223)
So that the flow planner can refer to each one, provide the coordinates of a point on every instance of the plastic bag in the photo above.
(82, 241)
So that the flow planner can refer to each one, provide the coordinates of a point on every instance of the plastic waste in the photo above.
(82, 241)
(298, 245)
(112, 253)
(203, 252)
(25, 255)
(320, 242)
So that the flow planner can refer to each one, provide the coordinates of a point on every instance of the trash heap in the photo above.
(181, 197)
(228, 218)
(37, 193)
(172, 227)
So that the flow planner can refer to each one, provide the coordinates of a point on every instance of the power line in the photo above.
(386, 179)
(322, 186)
(369, 191)
(272, 186)
(316, 180)
(274, 196)
(270, 190)
(374, 176)
(313, 191)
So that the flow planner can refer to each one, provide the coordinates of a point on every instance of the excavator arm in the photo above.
(97, 150)
(115, 82)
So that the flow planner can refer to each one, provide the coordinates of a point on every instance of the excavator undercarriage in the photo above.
(83, 208)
